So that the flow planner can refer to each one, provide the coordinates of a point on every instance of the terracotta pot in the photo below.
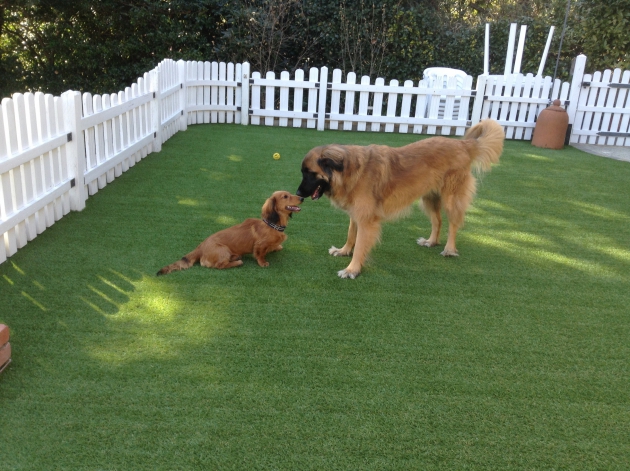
(551, 127)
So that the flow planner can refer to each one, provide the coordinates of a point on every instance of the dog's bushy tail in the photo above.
(489, 136)
(184, 263)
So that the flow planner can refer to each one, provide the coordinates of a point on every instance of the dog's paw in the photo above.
(263, 264)
(425, 242)
(449, 253)
(335, 252)
(348, 274)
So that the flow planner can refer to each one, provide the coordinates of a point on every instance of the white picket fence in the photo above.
(57, 151)
(600, 106)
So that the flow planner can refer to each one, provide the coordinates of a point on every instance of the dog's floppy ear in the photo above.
(270, 212)
(331, 160)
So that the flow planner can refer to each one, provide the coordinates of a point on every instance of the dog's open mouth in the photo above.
(294, 208)
(317, 193)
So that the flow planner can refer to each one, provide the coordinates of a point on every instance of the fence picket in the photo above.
(335, 98)
(322, 98)
(222, 91)
(134, 119)
(284, 99)
(421, 107)
(108, 140)
(363, 103)
(214, 92)
(229, 92)
(392, 104)
(351, 79)
(298, 97)
(255, 100)
(377, 105)
(241, 94)
(405, 108)
(90, 145)
(99, 140)
(270, 98)
(313, 76)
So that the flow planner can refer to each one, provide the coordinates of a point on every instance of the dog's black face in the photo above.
(313, 184)
(317, 171)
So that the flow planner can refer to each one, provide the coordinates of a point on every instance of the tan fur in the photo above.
(378, 183)
(224, 249)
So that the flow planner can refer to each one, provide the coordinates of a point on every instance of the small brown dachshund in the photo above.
(224, 249)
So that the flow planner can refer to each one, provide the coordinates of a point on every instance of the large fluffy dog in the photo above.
(224, 249)
(376, 183)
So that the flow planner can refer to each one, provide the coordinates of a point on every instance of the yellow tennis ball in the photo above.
(276, 156)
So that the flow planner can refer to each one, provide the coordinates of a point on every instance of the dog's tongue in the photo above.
(294, 208)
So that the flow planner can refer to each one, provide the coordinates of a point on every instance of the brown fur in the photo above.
(224, 249)
(376, 183)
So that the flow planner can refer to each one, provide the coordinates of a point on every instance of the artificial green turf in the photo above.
(513, 356)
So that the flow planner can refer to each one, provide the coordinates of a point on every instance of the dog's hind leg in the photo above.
(346, 250)
(455, 204)
(367, 235)
(220, 257)
(432, 204)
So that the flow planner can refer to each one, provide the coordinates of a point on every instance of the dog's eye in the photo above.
(285, 197)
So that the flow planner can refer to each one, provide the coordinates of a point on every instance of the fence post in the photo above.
(475, 117)
(75, 148)
(183, 95)
(323, 90)
(576, 87)
(245, 93)
(156, 109)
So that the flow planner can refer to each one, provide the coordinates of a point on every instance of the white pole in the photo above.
(245, 93)
(323, 90)
(510, 50)
(183, 95)
(519, 50)
(75, 149)
(156, 109)
(546, 51)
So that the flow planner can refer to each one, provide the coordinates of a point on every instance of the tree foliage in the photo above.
(103, 45)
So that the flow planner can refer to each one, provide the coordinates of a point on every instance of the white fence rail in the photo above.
(57, 151)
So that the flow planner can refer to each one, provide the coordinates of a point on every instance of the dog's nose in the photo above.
(301, 199)
(298, 193)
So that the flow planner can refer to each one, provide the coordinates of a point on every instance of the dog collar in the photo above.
(275, 226)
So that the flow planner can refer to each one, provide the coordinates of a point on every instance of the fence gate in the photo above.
(602, 107)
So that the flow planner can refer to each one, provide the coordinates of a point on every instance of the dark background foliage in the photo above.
(103, 45)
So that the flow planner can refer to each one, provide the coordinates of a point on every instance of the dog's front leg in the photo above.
(346, 250)
(367, 235)
(259, 254)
